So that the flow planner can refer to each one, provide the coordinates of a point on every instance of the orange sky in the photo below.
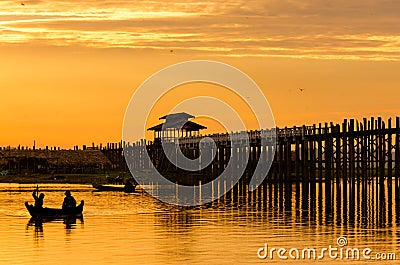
(68, 69)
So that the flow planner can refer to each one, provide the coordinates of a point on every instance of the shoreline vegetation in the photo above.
(60, 178)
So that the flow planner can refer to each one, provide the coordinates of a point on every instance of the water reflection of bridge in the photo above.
(306, 204)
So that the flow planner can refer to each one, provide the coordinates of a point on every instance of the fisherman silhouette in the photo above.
(38, 200)
(69, 201)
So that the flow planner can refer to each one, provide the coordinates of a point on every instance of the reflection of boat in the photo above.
(114, 187)
(37, 222)
(54, 213)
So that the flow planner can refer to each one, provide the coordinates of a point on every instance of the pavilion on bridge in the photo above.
(176, 125)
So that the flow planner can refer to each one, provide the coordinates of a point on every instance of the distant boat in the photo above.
(114, 187)
(53, 212)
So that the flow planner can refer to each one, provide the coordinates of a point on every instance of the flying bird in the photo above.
(302, 89)
(22, 4)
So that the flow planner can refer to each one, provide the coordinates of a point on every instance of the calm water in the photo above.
(137, 229)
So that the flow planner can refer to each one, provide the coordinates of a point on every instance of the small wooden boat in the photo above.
(114, 187)
(53, 212)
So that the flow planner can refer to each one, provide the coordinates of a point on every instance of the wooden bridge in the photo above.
(352, 151)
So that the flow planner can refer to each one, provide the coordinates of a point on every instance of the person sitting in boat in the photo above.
(38, 200)
(69, 201)
(129, 187)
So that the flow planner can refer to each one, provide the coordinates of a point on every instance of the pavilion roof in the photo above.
(177, 121)
(188, 126)
(177, 116)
